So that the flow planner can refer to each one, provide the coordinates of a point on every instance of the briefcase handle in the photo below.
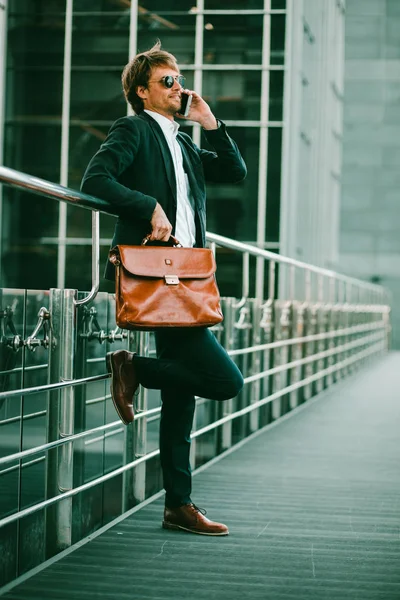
(172, 240)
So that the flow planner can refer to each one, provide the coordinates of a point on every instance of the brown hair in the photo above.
(138, 70)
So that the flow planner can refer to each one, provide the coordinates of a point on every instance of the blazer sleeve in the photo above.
(115, 155)
(226, 164)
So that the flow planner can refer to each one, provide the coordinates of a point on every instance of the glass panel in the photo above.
(34, 89)
(34, 147)
(233, 95)
(34, 430)
(32, 547)
(276, 95)
(277, 47)
(273, 184)
(85, 140)
(233, 39)
(79, 277)
(27, 263)
(176, 32)
(32, 138)
(96, 94)
(12, 306)
(9, 476)
(232, 209)
(153, 431)
(278, 4)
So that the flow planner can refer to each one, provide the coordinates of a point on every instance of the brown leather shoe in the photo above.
(124, 383)
(191, 518)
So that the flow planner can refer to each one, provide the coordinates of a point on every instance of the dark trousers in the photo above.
(189, 363)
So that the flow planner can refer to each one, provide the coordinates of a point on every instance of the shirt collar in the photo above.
(169, 127)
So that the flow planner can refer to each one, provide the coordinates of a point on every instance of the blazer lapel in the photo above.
(165, 152)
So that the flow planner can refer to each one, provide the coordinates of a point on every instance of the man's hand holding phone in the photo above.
(198, 110)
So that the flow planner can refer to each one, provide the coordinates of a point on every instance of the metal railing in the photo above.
(292, 334)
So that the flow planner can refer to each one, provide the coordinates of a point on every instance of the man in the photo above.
(155, 177)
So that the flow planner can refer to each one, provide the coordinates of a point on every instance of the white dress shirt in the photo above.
(185, 228)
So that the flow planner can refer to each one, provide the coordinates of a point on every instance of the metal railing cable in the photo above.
(238, 352)
(269, 399)
(154, 411)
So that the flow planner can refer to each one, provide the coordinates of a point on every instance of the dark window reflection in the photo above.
(176, 32)
(32, 139)
(101, 40)
(273, 184)
(277, 47)
(233, 39)
(278, 4)
(233, 95)
(232, 209)
(276, 95)
(85, 139)
(97, 96)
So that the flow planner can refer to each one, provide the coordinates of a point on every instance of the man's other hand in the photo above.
(161, 227)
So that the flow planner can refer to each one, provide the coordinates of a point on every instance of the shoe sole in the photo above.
(167, 525)
(110, 370)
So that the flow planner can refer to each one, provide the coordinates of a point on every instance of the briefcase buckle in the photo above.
(171, 279)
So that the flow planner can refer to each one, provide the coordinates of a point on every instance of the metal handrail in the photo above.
(56, 191)
(42, 187)
(220, 240)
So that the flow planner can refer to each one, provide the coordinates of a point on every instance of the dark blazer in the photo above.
(133, 170)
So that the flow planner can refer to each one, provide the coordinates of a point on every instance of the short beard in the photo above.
(172, 110)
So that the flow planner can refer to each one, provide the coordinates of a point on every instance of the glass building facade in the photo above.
(272, 71)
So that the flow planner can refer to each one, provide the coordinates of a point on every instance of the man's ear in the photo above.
(141, 92)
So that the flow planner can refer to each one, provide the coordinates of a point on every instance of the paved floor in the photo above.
(312, 505)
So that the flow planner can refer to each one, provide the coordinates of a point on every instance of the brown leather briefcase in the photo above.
(162, 286)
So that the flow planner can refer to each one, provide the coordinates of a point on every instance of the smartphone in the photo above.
(186, 101)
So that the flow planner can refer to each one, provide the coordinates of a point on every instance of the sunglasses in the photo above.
(168, 80)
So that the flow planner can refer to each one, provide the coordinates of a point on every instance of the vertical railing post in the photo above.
(256, 364)
(229, 342)
(296, 352)
(321, 326)
(309, 327)
(266, 326)
(67, 414)
(331, 327)
(340, 340)
(52, 415)
(349, 322)
(60, 418)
